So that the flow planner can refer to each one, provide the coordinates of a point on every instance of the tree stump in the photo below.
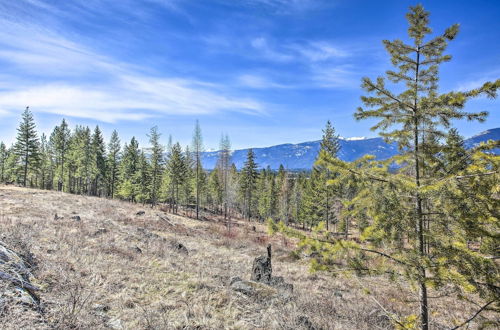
(262, 269)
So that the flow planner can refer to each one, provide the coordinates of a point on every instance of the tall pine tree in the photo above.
(418, 220)
(156, 164)
(197, 150)
(113, 162)
(27, 145)
(248, 180)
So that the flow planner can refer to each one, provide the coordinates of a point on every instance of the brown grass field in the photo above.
(116, 269)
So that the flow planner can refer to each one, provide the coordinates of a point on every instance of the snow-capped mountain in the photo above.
(302, 155)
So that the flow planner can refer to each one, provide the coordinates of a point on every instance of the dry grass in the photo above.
(114, 269)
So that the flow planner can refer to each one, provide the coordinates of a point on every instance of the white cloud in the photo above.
(339, 76)
(63, 76)
(320, 51)
(261, 44)
(478, 82)
(311, 51)
(292, 6)
(258, 82)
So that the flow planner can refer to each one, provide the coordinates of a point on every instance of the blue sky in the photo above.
(264, 72)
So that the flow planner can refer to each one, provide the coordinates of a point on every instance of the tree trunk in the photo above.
(424, 311)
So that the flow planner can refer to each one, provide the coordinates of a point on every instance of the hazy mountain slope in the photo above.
(302, 155)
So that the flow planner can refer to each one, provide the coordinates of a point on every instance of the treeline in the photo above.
(79, 161)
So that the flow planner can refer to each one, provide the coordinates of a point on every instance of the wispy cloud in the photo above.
(308, 51)
(62, 75)
(319, 51)
(292, 6)
(478, 80)
(266, 50)
(259, 82)
(336, 76)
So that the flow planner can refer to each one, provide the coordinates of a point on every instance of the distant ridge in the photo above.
(302, 155)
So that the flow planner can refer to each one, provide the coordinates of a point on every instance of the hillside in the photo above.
(103, 264)
(302, 156)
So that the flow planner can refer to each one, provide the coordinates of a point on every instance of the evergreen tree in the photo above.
(418, 220)
(113, 162)
(142, 180)
(248, 182)
(156, 163)
(215, 190)
(197, 150)
(46, 171)
(176, 169)
(187, 186)
(455, 157)
(98, 150)
(330, 145)
(60, 141)
(223, 167)
(330, 141)
(12, 168)
(3, 161)
(128, 170)
(27, 145)
(264, 194)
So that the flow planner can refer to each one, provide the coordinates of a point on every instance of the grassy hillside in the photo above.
(117, 268)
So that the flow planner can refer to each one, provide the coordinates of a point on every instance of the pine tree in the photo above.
(215, 190)
(455, 157)
(46, 168)
(60, 141)
(27, 145)
(330, 145)
(142, 180)
(113, 162)
(176, 169)
(223, 167)
(197, 150)
(98, 150)
(263, 191)
(248, 182)
(128, 170)
(330, 141)
(12, 168)
(188, 184)
(3, 161)
(418, 220)
(156, 163)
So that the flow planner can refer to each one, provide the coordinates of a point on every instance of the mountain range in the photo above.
(302, 155)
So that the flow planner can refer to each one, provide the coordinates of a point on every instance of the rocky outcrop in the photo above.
(16, 274)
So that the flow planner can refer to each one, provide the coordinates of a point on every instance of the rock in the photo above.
(138, 250)
(279, 283)
(262, 269)
(115, 324)
(180, 248)
(140, 213)
(56, 217)
(304, 322)
(76, 218)
(243, 287)
(235, 279)
(16, 273)
(101, 308)
(100, 231)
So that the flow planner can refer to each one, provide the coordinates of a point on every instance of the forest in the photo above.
(428, 216)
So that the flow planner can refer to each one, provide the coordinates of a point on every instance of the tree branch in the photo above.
(473, 316)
